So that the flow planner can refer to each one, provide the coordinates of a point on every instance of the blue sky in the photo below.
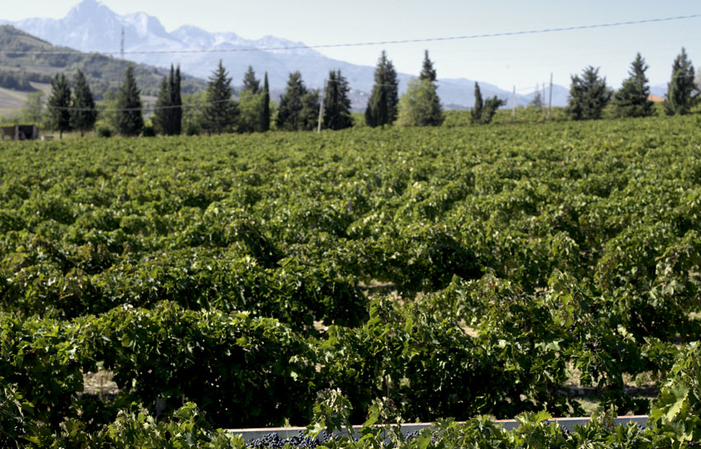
(522, 61)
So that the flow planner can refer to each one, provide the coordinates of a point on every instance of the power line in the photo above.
(148, 107)
(373, 43)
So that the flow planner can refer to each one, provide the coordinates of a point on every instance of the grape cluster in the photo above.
(273, 441)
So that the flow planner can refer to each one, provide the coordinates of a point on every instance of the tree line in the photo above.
(216, 111)
(589, 94)
(300, 108)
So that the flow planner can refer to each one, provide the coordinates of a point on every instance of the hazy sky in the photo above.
(522, 61)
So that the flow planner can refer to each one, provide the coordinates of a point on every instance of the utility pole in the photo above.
(513, 105)
(321, 108)
(121, 48)
(543, 109)
(550, 100)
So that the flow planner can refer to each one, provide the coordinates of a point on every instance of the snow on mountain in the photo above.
(92, 27)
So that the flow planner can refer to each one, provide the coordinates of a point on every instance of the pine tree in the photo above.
(427, 71)
(265, 115)
(682, 91)
(84, 114)
(337, 104)
(129, 119)
(384, 100)
(632, 99)
(476, 112)
(58, 113)
(250, 83)
(288, 116)
(220, 112)
(588, 95)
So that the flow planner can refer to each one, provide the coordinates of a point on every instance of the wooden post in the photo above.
(321, 108)
(513, 105)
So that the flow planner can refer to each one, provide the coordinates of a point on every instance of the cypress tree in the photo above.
(250, 83)
(168, 115)
(384, 100)
(337, 104)
(163, 107)
(289, 113)
(219, 114)
(476, 112)
(59, 115)
(588, 95)
(490, 108)
(265, 114)
(632, 99)
(84, 114)
(682, 91)
(130, 121)
(176, 116)
(483, 111)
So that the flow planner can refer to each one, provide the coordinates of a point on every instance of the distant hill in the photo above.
(22, 71)
(92, 26)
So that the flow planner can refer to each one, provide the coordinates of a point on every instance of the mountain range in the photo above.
(93, 27)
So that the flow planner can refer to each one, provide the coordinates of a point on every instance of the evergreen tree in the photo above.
(250, 83)
(632, 99)
(58, 112)
(427, 71)
(588, 95)
(476, 112)
(537, 101)
(265, 114)
(129, 120)
(220, 112)
(384, 100)
(84, 114)
(483, 111)
(337, 104)
(163, 107)
(168, 115)
(682, 91)
(177, 103)
(490, 108)
(288, 116)
(309, 115)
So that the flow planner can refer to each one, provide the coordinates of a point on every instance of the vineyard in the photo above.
(454, 272)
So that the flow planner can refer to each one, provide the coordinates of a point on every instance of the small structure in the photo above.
(19, 132)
